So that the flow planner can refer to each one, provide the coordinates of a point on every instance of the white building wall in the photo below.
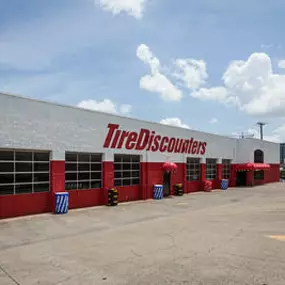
(32, 124)
(246, 148)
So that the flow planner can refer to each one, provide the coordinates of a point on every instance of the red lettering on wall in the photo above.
(195, 147)
(163, 144)
(151, 141)
(116, 138)
(131, 141)
(112, 128)
(124, 135)
(178, 145)
(143, 139)
(155, 146)
(171, 145)
(204, 145)
(190, 146)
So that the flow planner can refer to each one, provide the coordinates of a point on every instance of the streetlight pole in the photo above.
(261, 124)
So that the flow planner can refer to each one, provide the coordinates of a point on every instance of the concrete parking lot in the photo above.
(231, 237)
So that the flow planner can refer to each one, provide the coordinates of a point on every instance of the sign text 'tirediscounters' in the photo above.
(151, 141)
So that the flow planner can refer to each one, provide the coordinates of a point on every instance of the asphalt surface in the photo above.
(231, 237)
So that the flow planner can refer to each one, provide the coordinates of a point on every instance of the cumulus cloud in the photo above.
(176, 122)
(156, 81)
(125, 109)
(266, 46)
(281, 63)
(191, 72)
(106, 106)
(134, 8)
(278, 135)
(251, 85)
(213, 121)
(216, 93)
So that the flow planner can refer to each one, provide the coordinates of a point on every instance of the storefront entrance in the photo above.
(241, 179)
(166, 184)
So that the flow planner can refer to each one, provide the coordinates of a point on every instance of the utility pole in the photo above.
(261, 124)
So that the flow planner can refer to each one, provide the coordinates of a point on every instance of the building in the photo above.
(282, 154)
(47, 148)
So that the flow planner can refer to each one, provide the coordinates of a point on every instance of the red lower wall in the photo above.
(24, 204)
(151, 173)
(86, 198)
(270, 176)
(129, 193)
(273, 174)
(193, 186)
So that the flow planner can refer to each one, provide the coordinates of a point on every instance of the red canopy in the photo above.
(252, 166)
(169, 166)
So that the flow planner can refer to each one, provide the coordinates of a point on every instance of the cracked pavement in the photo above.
(222, 237)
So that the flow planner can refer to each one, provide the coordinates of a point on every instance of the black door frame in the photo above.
(244, 178)
(166, 180)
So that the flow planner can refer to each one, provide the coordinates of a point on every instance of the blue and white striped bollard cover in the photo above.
(61, 203)
(224, 184)
(158, 192)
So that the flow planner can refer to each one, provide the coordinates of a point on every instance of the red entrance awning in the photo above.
(252, 166)
(169, 166)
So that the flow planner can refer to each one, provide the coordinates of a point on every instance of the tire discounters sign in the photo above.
(151, 141)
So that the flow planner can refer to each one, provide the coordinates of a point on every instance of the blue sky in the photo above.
(216, 66)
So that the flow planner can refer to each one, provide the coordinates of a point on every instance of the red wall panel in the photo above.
(24, 204)
(193, 186)
(232, 182)
(180, 173)
(129, 193)
(57, 176)
(108, 179)
(250, 178)
(216, 184)
(85, 198)
(108, 174)
(152, 174)
(273, 174)
(219, 171)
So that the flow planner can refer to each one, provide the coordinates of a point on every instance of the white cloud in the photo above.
(251, 85)
(192, 72)
(160, 84)
(125, 109)
(176, 122)
(281, 63)
(134, 8)
(156, 81)
(216, 93)
(266, 46)
(146, 56)
(106, 106)
(213, 121)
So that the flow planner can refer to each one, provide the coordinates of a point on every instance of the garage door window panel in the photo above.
(259, 175)
(83, 171)
(24, 172)
(193, 169)
(226, 173)
(211, 169)
(127, 170)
